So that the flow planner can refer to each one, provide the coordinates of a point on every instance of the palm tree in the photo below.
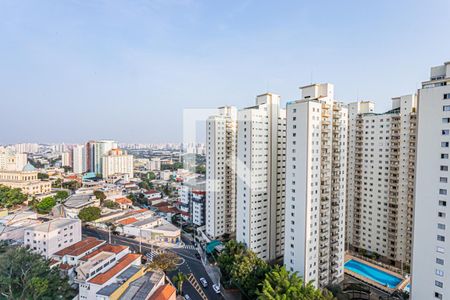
(179, 279)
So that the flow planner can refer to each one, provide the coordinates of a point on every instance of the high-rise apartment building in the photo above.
(431, 243)
(79, 159)
(316, 158)
(221, 139)
(117, 161)
(11, 161)
(66, 159)
(260, 187)
(380, 186)
(97, 150)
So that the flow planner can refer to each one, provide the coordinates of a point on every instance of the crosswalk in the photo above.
(152, 253)
(184, 246)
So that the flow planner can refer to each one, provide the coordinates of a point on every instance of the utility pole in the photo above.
(140, 240)
(109, 234)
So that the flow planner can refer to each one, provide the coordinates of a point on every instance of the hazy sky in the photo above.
(77, 70)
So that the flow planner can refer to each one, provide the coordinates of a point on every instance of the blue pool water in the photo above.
(374, 274)
(407, 288)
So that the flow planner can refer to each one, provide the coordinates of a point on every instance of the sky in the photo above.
(71, 71)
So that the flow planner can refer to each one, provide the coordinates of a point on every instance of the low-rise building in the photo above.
(50, 237)
(103, 267)
(76, 202)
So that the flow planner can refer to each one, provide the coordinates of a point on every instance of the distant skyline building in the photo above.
(79, 159)
(260, 184)
(316, 159)
(117, 161)
(221, 142)
(431, 242)
(97, 150)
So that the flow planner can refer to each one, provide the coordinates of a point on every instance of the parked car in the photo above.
(186, 296)
(204, 282)
(197, 255)
(216, 288)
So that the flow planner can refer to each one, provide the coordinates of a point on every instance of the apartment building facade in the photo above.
(117, 161)
(431, 242)
(50, 237)
(316, 156)
(380, 189)
(221, 143)
(260, 177)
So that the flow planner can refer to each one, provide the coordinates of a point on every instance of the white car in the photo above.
(204, 282)
(216, 288)
(186, 296)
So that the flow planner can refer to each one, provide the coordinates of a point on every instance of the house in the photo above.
(165, 292)
(124, 203)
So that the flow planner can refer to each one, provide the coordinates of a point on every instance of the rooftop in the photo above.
(123, 201)
(164, 292)
(124, 276)
(121, 264)
(78, 200)
(141, 287)
(81, 247)
(128, 221)
(105, 248)
(54, 225)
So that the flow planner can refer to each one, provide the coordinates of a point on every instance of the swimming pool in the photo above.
(372, 273)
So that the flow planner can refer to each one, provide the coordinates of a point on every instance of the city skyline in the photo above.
(122, 69)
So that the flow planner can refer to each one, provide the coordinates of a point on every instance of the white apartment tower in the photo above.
(260, 178)
(221, 144)
(380, 189)
(316, 156)
(117, 161)
(431, 242)
(79, 159)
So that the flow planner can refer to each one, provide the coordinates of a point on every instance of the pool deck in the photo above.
(389, 290)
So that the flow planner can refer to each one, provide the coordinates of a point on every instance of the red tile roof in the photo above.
(128, 221)
(123, 201)
(81, 247)
(164, 292)
(123, 263)
(151, 192)
(105, 248)
(65, 266)
(160, 204)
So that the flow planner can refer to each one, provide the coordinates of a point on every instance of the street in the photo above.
(189, 265)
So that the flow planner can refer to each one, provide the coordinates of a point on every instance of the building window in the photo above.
(437, 295)
(442, 203)
(446, 108)
(444, 156)
(441, 226)
(447, 96)
(444, 144)
(441, 238)
(444, 168)
(442, 192)
(445, 132)
(445, 120)
(439, 261)
(438, 284)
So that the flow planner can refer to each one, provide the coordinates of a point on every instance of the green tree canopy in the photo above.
(165, 261)
(89, 214)
(61, 195)
(42, 176)
(111, 204)
(11, 197)
(25, 275)
(100, 195)
(279, 284)
(179, 279)
(46, 205)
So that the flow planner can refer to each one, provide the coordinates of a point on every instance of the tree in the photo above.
(46, 205)
(151, 176)
(71, 185)
(111, 204)
(57, 183)
(179, 280)
(200, 169)
(100, 195)
(42, 176)
(25, 275)
(61, 195)
(89, 214)
(279, 284)
(11, 197)
(227, 258)
(166, 261)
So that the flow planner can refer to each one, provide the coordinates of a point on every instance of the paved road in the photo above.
(190, 263)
